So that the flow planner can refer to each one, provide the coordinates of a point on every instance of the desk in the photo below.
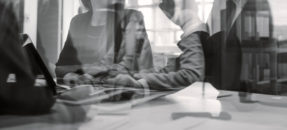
(269, 112)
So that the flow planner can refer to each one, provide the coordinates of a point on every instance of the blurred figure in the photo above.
(19, 91)
(107, 37)
(190, 66)
(240, 31)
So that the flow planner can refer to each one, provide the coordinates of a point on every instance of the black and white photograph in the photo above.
(143, 64)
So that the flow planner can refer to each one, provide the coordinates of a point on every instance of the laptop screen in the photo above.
(38, 66)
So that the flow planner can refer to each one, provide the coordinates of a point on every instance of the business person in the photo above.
(107, 37)
(191, 61)
(229, 34)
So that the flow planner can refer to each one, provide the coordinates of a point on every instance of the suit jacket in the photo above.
(190, 66)
(73, 57)
(224, 47)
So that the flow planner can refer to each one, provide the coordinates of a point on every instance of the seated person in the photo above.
(107, 37)
(20, 92)
(191, 61)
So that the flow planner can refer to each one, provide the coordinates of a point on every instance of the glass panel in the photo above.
(101, 58)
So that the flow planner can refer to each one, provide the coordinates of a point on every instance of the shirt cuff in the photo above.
(191, 28)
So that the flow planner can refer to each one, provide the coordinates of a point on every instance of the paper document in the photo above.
(196, 90)
(192, 99)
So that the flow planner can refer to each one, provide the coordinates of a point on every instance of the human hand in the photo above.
(139, 76)
(124, 80)
(73, 79)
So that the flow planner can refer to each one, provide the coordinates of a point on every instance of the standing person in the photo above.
(106, 37)
(233, 30)
(191, 61)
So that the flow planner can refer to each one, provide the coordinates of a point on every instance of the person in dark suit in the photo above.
(106, 37)
(189, 65)
(226, 59)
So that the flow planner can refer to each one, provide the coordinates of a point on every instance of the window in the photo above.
(162, 33)
(261, 33)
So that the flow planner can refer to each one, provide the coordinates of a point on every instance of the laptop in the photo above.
(38, 66)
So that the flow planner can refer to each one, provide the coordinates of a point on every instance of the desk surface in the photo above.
(265, 112)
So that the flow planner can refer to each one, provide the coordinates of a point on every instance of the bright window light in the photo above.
(145, 2)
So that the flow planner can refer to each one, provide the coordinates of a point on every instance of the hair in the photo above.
(88, 5)
(9, 26)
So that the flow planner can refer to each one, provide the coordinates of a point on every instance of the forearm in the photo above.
(172, 80)
(191, 67)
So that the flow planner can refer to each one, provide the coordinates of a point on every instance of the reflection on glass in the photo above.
(246, 32)
(106, 38)
(122, 50)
